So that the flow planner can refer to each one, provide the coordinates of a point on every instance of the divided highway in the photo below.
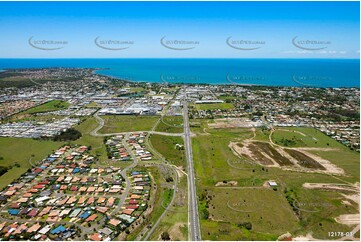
(193, 219)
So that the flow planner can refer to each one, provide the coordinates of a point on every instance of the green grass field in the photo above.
(92, 105)
(114, 124)
(96, 143)
(262, 135)
(211, 153)
(21, 150)
(303, 137)
(215, 162)
(48, 107)
(214, 106)
(176, 219)
(166, 145)
(267, 211)
(170, 124)
(30, 117)
(228, 97)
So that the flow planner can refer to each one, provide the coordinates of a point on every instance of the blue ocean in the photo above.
(268, 72)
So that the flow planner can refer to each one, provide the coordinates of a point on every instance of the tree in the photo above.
(246, 225)
(204, 213)
(165, 236)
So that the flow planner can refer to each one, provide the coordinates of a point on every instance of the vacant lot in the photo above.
(214, 106)
(262, 134)
(276, 154)
(176, 219)
(170, 124)
(48, 107)
(166, 145)
(212, 158)
(215, 162)
(20, 151)
(21, 117)
(303, 137)
(304, 160)
(267, 211)
(273, 153)
(258, 156)
(117, 124)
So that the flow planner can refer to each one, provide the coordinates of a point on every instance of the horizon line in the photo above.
(306, 58)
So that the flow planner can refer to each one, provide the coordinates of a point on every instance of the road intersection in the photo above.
(193, 217)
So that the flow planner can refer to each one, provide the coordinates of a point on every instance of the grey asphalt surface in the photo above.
(193, 218)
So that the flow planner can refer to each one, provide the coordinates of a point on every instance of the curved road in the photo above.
(174, 187)
(167, 209)
(193, 217)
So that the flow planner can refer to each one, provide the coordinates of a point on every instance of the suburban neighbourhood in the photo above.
(109, 159)
(66, 197)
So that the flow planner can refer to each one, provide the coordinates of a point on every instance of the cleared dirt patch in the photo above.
(351, 219)
(317, 149)
(273, 153)
(305, 160)
(226, 183)
(224, 123)
(334, 187)
(348, 219)
(259, 155)
(243, 151)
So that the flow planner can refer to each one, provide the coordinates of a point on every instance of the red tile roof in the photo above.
(96, 237)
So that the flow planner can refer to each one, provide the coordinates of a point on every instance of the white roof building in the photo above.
(272, 183)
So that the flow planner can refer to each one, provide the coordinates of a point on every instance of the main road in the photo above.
(193, 219)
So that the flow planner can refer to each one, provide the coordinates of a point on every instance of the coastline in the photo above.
(277, 72)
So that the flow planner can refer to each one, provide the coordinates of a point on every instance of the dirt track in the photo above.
(333, 186)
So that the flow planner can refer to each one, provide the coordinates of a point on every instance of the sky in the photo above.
(179, 30)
